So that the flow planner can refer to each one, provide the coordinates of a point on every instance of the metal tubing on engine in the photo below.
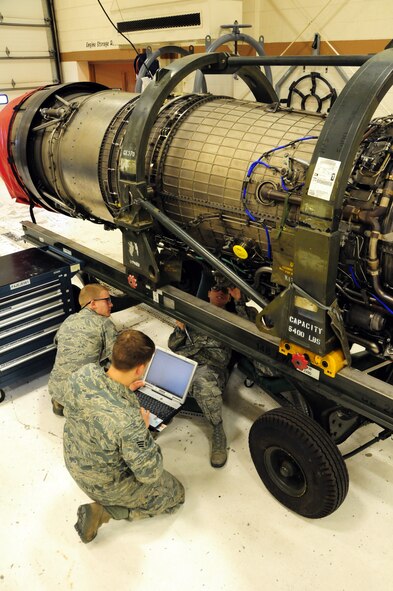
(208, 256)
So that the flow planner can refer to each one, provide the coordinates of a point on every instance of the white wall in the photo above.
(82, 25)
(287, 20)
(290, 21)
(75, 71)
(82, 22)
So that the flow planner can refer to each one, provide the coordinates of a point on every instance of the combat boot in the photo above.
(219, 447)
(90, 518)
(57, 408)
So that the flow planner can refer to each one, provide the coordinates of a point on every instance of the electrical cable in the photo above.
(251, 170)
(113, 25)
(126, 38)
(284, 187)
(354, 278)
(357, 284)
(382, 303)
(300, 139)
(267, 165)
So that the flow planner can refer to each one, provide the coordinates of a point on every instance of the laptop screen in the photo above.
(170, 372)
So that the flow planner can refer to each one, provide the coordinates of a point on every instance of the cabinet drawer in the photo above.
(19, 361)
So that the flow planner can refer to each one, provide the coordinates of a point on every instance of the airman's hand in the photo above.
(132, 281)
(145, 416)
(135, 385)
(235, 293)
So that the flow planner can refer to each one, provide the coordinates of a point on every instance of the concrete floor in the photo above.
(230, 535)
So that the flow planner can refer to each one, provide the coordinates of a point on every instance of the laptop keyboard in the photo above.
(158, 408)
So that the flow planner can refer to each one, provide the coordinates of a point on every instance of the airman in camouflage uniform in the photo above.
(250, 313)
(108, 449)
(210, 376)
(85, 337)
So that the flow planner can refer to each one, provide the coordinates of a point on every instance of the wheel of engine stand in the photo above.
(298, 462)
(2, 395)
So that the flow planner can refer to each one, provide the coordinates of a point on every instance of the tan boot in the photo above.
(57, 408)
(218, 455)
(90, 518)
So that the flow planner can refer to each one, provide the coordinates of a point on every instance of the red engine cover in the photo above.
(7, 170)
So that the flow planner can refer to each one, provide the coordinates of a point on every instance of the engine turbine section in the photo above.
(230, 173)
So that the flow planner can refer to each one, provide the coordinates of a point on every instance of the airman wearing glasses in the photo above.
(85, 337)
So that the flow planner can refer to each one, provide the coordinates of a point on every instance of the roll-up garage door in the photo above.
(29, 54)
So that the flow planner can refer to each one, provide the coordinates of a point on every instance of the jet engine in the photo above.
(306, 235)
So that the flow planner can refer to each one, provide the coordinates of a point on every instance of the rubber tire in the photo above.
(300, 403)
(288, 433)
(2, 395)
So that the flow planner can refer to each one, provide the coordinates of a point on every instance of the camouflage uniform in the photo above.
(212, 372)
(250, 313)
(110, 453)
(85, 337)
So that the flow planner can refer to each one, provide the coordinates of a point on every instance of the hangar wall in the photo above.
(344, 26)
(287, 27)
(346, 21)
(94, 30)
(91, 49)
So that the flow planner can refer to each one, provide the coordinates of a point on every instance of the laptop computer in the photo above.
(167, 380)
